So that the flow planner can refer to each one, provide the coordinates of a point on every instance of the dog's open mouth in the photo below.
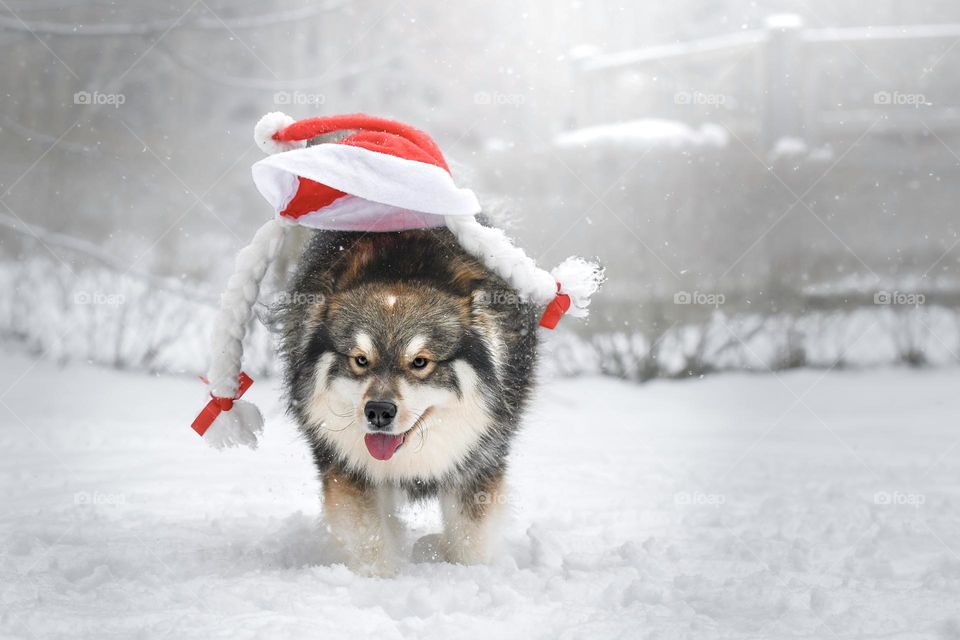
(382, 446)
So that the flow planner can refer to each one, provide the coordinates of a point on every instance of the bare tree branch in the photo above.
(90, 250)
(36, 136)
(261, 84)
(154, 26)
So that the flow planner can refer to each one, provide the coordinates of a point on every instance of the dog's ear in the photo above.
(313, 311)
(481, 298)
(316, 311)
(302, 316)
(466, 275)
(486, 297)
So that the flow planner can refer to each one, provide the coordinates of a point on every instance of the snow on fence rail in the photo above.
(850, 35)
(719, 44)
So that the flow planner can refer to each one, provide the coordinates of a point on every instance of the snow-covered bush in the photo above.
(97, 315)
(100, 316)
(862, 337)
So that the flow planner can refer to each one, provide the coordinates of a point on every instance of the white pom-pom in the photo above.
(269, 125)
(579, 279)
(242, 425)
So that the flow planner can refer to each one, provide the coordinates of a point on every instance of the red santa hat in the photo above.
(374, 175)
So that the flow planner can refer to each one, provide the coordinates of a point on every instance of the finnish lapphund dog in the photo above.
(408, 365)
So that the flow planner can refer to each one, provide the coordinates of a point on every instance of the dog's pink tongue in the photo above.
(381, 445)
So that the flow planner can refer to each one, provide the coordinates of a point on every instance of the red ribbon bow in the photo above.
(555, 310)
(216, 405)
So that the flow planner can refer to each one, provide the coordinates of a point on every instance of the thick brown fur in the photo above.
(385, 298)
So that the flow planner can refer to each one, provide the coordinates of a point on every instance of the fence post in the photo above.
(782, 80)
(584, 106)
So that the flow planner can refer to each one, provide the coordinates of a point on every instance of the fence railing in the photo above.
(785, 81)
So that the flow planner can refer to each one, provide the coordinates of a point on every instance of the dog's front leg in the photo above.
(358, 516)
(470, 518)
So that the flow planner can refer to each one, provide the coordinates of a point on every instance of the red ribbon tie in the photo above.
(555, 310)
(217, 405)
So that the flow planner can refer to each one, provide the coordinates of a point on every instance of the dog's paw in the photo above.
(372, 560)
(438, 547)
(379, 568)
(464, 551)
(429, 548)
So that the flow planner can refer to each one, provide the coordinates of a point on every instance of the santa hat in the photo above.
(373, 175)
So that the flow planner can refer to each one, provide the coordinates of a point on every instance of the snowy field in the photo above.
(809, 505)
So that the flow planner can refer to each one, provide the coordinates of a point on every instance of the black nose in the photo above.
(379, 413)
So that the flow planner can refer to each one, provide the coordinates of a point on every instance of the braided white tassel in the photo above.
(494, 249)
(574, 277)
(236, 306)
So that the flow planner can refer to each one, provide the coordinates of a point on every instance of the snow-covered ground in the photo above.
(810, 505)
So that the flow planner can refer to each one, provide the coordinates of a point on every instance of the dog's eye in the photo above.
(361, 361)
(419, 362)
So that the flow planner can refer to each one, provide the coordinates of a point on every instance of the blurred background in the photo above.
(770, 185)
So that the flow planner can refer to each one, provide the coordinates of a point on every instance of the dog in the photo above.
(407, 367)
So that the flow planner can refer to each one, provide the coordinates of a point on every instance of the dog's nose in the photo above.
(380, 414)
